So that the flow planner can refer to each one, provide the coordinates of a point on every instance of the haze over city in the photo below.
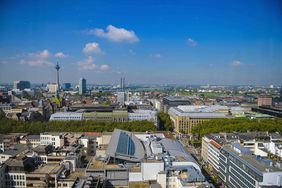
(140, 94)
(179, 42)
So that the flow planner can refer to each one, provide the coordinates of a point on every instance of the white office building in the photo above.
(210, 152)
(138, 115)
(56, 140)
(213, 154)
(65, 116)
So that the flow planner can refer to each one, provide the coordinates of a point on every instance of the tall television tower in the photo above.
(57, 67)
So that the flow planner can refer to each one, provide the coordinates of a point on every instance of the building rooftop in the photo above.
(139, 185)
(93, 107)
(141, 111)
(16, 150)
(48, 169)
(43, 149)
(176, 98)
(98, 164)
(257, 163)
(33, 137)
(196, 114)
(186, 174)
(112, 113)
(176, 149)
(240, 149)
(20, 163)
(77, 173)
(54, 133)
(211, 108)
(125, 145)
(135, 168)
(67, 114)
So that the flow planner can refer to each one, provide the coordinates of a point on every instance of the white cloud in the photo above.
(41, 54)
(192, 42)
(87, 64)
(104, 67)
(37, 59)
(236, 63)
(36, 62)
(115, 34)
(157, 55)
(60, 55)
(92, 48)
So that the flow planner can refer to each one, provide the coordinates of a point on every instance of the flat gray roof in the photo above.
(18, 148)
(258, 164)
(177, 98)
(203, 115)
(175, 148)
(33, 137)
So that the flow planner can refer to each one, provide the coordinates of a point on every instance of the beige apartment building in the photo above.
(265, 100)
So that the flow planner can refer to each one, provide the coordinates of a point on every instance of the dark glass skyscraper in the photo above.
(21, 85)
(82, 86)
(66, 86)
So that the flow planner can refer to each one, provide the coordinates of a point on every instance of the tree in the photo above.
(237, 125)
(2, 114)
(165, 122)
(36, 127)
(27, 96)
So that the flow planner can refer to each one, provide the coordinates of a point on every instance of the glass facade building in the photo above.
(82, 86)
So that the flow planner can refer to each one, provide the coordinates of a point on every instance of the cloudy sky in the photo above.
(184, 42)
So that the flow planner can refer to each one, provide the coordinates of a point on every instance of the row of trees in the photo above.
(237, 125)
(36, 127)
(165, 122)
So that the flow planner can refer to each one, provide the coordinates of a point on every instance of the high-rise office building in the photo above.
(122, 83)
(66, 86)
(21, 85)
(82, 86)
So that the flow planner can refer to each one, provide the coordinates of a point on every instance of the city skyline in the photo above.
(234, 43)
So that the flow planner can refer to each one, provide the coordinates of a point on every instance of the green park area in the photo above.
(238, 125)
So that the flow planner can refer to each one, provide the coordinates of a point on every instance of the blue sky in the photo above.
(183, 42)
